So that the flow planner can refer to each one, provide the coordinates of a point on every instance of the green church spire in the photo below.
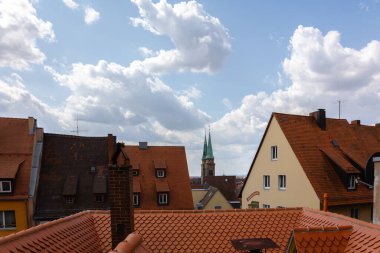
(204, 148)
(210, 154)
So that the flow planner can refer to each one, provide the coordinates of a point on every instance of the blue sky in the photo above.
(163, 71)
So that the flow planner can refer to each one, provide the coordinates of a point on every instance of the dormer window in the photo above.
(163, 198)
(99, 198)
(68, 199)
(5, 186)
(160, 173)
(351, 182)
(273, 153)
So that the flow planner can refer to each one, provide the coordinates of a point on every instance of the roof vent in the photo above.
(254, 244)
(335, 143)
(143, 145)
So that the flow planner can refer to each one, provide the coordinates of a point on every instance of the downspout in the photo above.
(325, 202)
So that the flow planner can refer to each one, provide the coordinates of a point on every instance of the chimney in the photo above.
(120, 200)
(377, 125)
(376, 191)
(111, 147)
(32, 124)
(320, 117)
(143, 145)
(355, 122)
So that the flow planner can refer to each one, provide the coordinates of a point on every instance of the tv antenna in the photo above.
(339, 101)
(77, 130)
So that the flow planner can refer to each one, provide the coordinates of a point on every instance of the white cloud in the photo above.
(71, 4)
(321, 71)
(17, 101)
(91, 15)
(20, 28)
(108, 92)
(201, 41)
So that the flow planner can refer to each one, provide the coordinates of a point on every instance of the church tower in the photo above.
(208, 165)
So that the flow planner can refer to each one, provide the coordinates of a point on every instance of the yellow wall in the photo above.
(198, 195)
(298, 193)
(218, 200)
(365, 211)
(20, 208)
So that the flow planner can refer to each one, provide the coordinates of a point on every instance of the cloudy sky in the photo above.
(164, 71)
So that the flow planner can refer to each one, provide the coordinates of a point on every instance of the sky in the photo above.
(166, 72)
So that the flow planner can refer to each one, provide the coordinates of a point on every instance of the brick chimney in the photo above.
(320, 117)
(120, 200)
(376, 191)
(355, 122)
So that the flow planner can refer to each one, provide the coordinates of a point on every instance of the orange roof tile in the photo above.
(200, 231)
(8, 169)
(17, 145)
(322, 239)
(173, 159)
(88, 231)
(314, 147)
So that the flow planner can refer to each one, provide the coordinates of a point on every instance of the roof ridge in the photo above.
(344, 218)
(76, 136)
(323, 228)
(219, 211)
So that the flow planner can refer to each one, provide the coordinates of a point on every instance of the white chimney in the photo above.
(376, 191)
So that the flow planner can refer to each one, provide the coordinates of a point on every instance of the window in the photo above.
(163, 199)
(355, 213)
(160, 173)
(68, 199)
(99, 198)
(135, 172)
(218, 207)
(282, 182)
(273, 153)
(351, 182)
(136, 200)
(210, 172)
(7, 220)
(5, 186)
(266, 206)
(266, 182)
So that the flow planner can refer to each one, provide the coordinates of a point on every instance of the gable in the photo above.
(299, 191)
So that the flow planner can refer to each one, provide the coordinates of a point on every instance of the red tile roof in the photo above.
(199, 231)
(83, 232)
(176, 181)
(314, 147)
(322, 239)
(17, 145)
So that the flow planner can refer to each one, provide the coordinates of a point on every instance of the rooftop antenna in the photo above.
(339, 107)
(77, 130)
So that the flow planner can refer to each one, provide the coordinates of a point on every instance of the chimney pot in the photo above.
(355, 122)
(111, 147)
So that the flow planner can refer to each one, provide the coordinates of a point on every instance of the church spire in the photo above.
(204, 148)
(210, 154)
